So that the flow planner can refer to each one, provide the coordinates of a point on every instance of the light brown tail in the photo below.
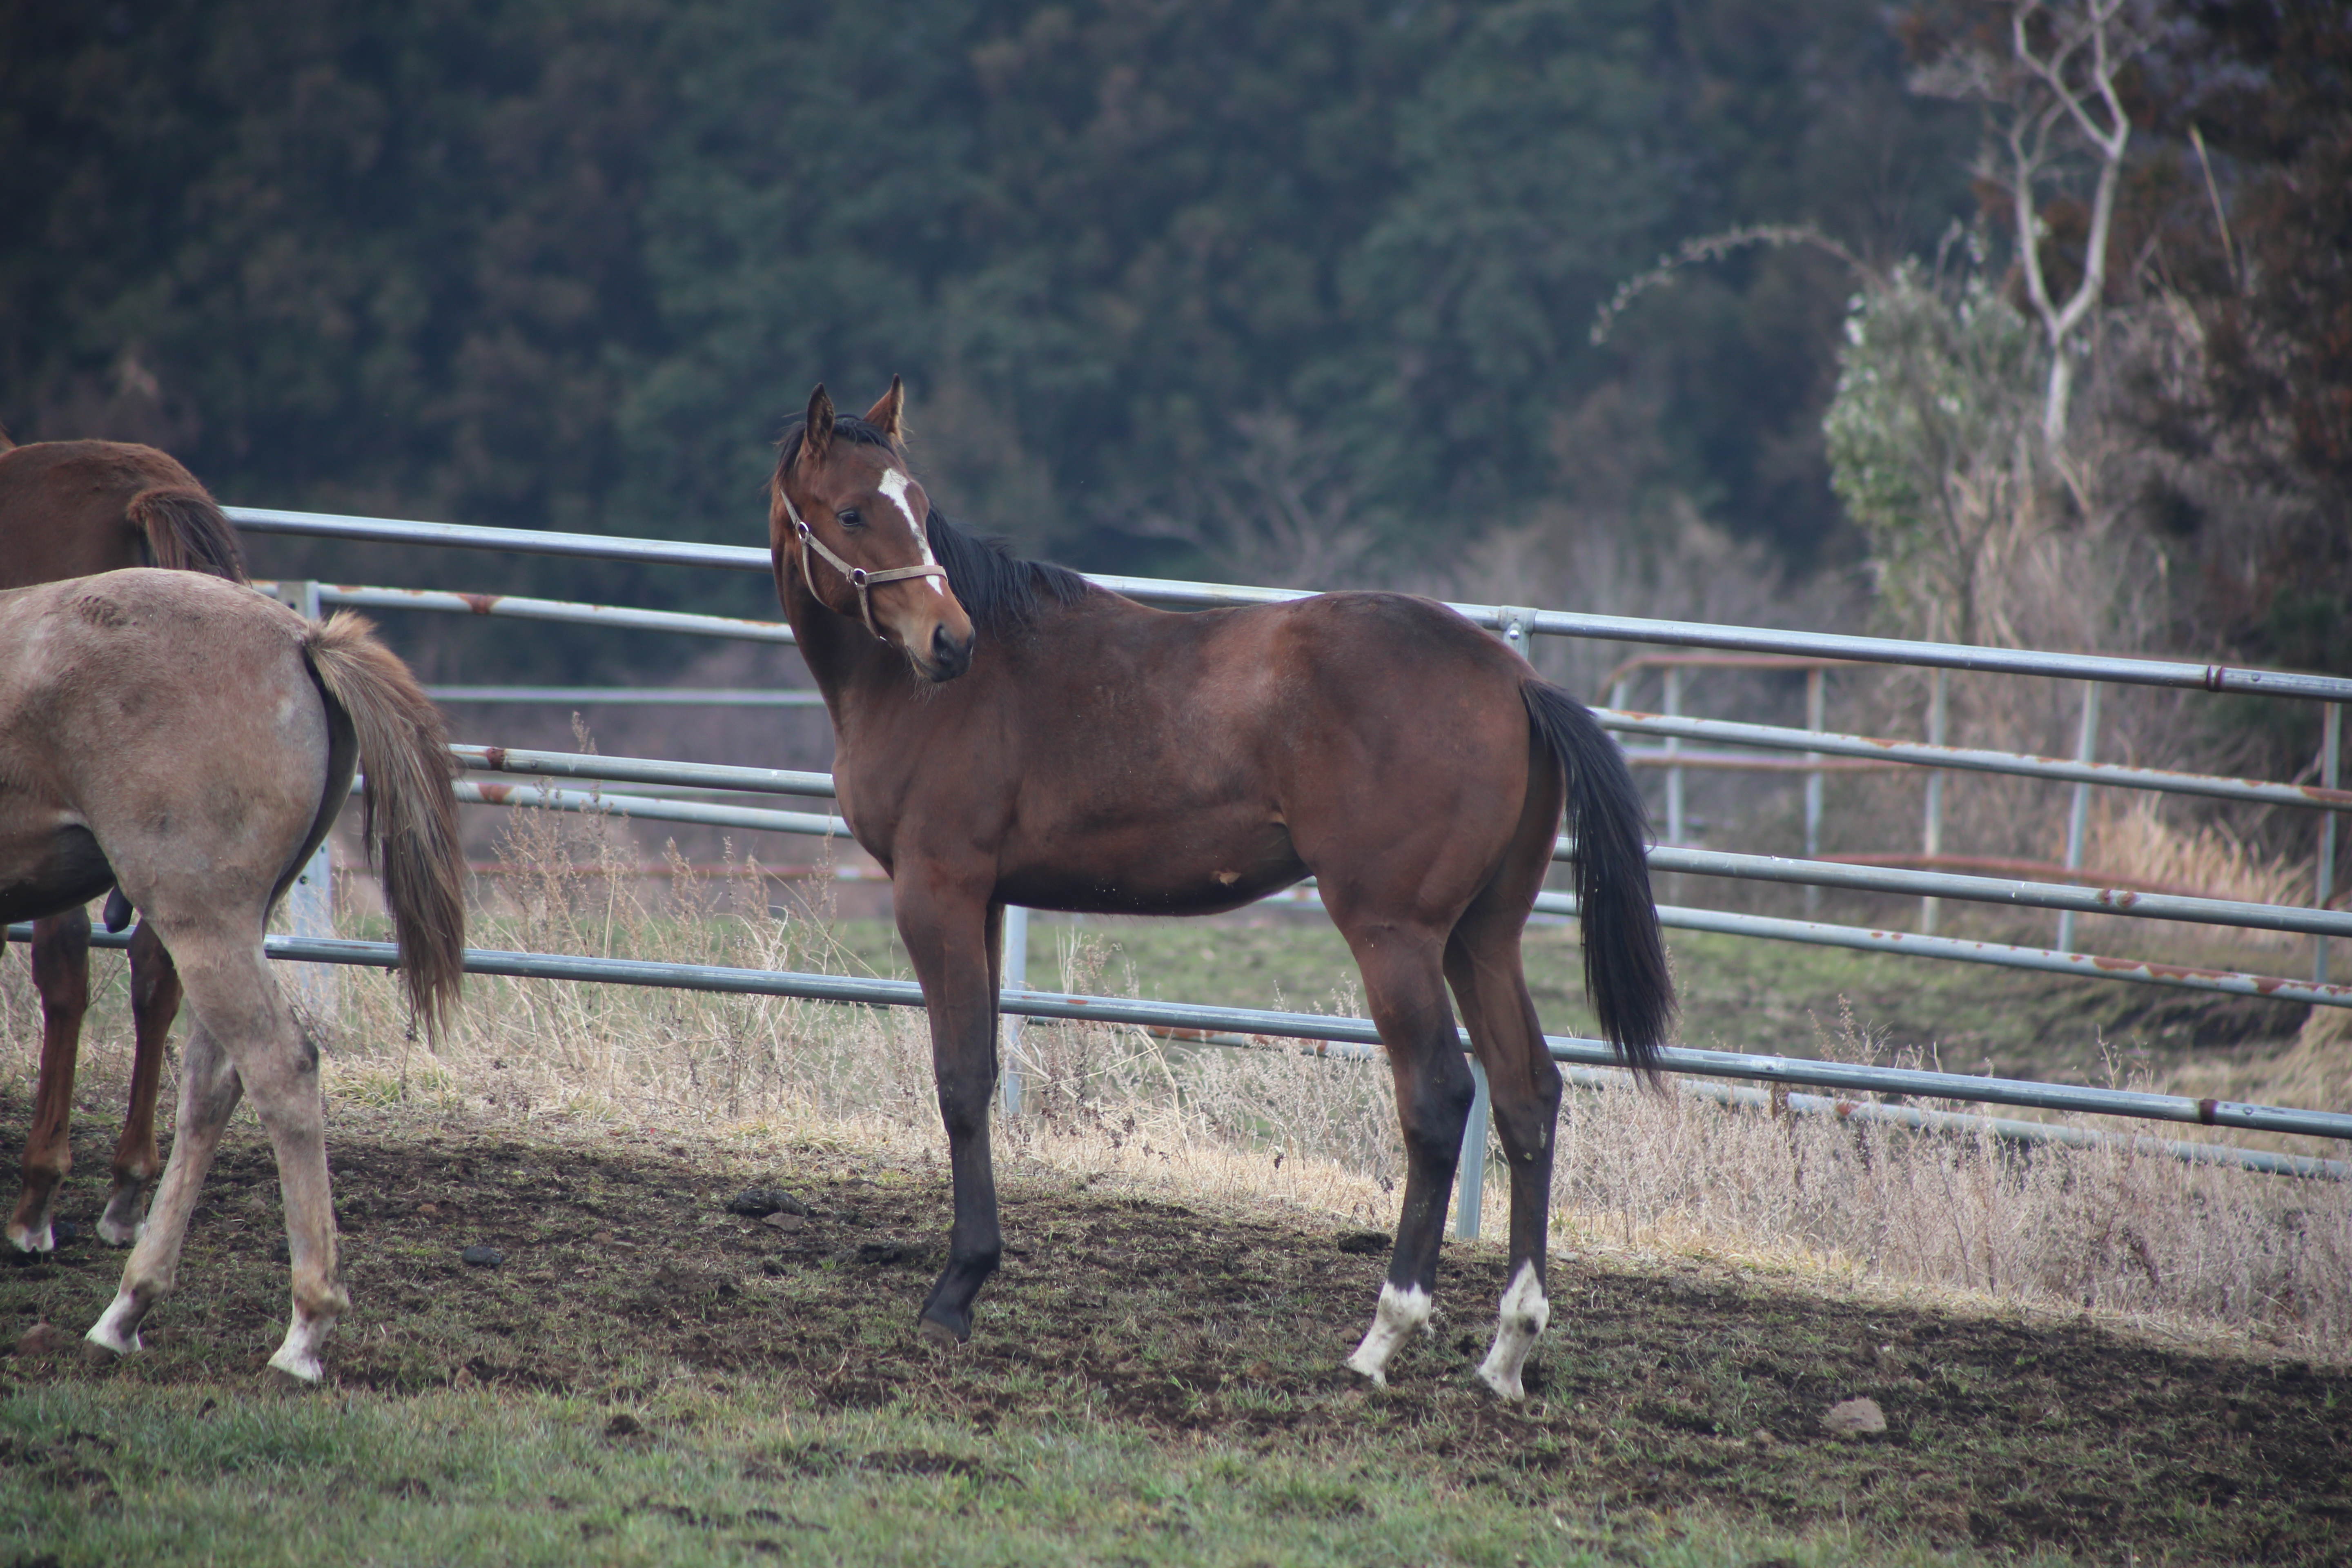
(186, 531)
(412, 812)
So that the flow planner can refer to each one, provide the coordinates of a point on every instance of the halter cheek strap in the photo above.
(859, 577)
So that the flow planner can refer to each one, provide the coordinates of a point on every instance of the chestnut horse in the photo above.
(1008, 733)
(189, 741)
(73, 508)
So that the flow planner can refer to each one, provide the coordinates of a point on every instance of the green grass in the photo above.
(192, 1475)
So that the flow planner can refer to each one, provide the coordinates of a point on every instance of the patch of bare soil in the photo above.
(622, 1271)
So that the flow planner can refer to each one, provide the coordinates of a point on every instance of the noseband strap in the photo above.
(859, 577)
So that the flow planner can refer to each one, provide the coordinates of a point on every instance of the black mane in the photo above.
(998, 590)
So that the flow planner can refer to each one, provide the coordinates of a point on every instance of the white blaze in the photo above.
(1525, 1315)
(1401, 1313)
(893, 485)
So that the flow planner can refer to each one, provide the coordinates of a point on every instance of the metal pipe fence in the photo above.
(1817, 933)
(1250, 1026)
(1663, 858)
(2177, 674)
(1763, 648)
(515, 607)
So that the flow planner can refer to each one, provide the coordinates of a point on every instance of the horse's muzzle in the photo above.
(950, 655)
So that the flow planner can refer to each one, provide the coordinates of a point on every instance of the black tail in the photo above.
(1625, 971)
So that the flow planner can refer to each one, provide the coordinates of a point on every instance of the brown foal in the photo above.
(1006, 733)
(72, 508)
(190, 743)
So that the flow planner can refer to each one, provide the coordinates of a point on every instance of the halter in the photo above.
(859, 577)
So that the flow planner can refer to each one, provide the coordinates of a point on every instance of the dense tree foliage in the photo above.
(565, 264)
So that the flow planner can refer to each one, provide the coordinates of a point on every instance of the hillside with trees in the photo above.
(1277, 288)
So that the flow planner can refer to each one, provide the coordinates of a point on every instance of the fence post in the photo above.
(1016, 978)
(2322, 876)
(1816, 718)
(2079, 817)
(1470, 1180)
(1674, 745)
(1931, 833)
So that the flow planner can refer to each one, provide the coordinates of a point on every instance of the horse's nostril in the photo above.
(950, 653)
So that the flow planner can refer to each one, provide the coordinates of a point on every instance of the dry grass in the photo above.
(2201, 1249)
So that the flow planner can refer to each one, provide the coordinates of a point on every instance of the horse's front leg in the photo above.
(950, 930)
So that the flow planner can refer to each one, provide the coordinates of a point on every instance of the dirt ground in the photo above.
(1661, 1384)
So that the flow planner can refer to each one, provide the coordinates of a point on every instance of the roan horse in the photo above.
(190, 743)
(74, 509)
(1008, 733)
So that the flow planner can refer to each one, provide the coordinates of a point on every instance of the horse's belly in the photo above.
(49, 869)
(1159, 869)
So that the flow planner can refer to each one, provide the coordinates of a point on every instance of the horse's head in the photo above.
(847, 517)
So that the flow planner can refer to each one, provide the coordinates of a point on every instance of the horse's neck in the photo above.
(844, 657)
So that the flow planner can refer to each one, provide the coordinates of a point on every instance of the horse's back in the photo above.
(1205, 758)
(64, 507)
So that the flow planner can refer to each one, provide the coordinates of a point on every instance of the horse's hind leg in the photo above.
(209, 1090)
(1405, 986)
(154, 1003)
(237, 1003)
(1482, 963)
(61, 974)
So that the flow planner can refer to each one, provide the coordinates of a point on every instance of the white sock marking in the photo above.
(1400, 1313)
(893, 485)
(298, 1356)
(118, 1328)
(1525, 1315)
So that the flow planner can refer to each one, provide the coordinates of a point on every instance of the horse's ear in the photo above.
(889, 414)
(816, 433)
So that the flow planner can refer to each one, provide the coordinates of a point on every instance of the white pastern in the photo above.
(298, 1356)
(125, 1218)
(893, 485)
(1525, 1315)
(37, 1240)
(1401, 1313)
(118, 1328)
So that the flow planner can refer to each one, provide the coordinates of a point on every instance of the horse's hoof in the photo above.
(121, 1222)
(934, 1333)
(97, 1356)
(32, 1243)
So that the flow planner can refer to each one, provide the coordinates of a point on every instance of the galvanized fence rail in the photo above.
(2281, 917)
(1512, 621)
(1590, 1062)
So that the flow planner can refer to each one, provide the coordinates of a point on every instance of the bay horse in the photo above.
(190, 743)
(1006, 733)
(74, 509)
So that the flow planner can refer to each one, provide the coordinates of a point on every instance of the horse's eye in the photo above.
(849, 519)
